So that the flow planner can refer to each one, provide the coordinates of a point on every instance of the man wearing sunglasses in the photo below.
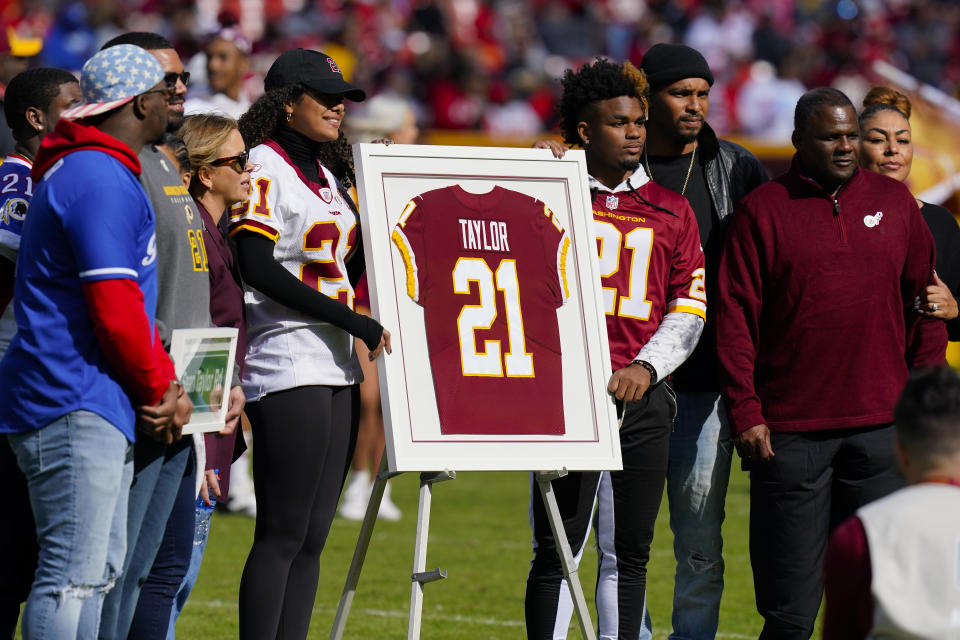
(164, 468)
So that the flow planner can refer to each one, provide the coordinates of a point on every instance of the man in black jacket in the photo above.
(685, 155)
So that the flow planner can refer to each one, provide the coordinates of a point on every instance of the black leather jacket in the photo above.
(731, 173)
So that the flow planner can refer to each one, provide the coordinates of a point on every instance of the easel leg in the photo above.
(420, 575)
(360, 553)
(563, 549)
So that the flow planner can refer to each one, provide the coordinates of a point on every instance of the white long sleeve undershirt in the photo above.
(672, 342)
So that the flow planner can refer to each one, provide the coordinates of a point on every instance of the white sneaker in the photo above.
(388, 510)
(353, 506)
(241, 499)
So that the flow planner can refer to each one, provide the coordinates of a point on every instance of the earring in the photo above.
(289, 115)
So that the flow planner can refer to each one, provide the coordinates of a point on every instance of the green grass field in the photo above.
(479, 534)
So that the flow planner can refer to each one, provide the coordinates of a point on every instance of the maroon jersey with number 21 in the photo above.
(489, 271)
(651, 263)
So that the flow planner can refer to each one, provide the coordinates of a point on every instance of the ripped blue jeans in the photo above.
(78, 471)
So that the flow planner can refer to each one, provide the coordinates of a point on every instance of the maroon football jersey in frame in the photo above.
(489, 271)
(651, 264)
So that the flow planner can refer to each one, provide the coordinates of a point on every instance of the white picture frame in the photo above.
(203, 360)
(388, 177)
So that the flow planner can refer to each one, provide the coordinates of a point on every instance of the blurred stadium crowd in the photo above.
(492, 65)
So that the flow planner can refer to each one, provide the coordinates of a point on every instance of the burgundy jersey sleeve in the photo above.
(686, 289)
(556, 250)
(847, 575)
(490, 272)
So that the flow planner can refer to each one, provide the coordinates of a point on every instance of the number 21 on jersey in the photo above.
(491, 362)
(324, 237)
(631, 300)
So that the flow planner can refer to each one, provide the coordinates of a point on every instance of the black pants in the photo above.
(814, 482)
(637, 491)
(18, 541)
(305, 438)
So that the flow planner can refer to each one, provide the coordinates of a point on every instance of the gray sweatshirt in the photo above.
(183, 296)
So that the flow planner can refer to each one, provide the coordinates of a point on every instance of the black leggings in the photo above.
(637, 491)
(305, 438)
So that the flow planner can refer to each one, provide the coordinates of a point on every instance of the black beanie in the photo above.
(664, 64)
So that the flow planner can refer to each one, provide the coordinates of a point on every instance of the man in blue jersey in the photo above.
(34, 101)
(163, 471)
(85, 298)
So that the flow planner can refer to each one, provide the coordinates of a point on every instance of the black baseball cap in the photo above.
(313, 69)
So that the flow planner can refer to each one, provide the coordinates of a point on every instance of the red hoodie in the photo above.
(815, 321)
(76, 135)
(115, 306)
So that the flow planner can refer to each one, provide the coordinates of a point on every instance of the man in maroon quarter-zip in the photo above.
(817, 329)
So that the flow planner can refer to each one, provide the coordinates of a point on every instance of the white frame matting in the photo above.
(388, 177)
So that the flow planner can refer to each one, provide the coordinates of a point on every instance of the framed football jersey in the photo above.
(482, 264)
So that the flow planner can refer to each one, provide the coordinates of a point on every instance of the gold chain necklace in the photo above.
(693, 155)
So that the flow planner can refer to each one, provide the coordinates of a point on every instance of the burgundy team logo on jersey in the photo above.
(613, 202)
(333, 66)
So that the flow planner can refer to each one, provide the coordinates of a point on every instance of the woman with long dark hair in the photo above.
(299, 251)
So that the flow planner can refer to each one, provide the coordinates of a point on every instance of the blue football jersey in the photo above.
(89, 220)
(16, 190)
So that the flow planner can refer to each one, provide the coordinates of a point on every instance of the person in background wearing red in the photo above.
(891, 569)
(817, 332)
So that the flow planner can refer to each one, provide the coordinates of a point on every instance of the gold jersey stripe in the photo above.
(563, 267)
(408, 263)
(407, 210)
(248, 227)
(681, 308)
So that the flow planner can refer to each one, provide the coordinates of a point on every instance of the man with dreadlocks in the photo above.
(655, 303)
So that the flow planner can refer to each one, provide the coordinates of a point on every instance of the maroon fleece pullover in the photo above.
(816, 327)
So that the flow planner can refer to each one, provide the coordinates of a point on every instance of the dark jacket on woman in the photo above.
(946, 235)
(226, 310)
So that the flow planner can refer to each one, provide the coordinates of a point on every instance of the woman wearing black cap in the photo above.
(299, 251)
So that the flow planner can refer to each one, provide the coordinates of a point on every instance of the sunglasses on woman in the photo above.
(238, 162)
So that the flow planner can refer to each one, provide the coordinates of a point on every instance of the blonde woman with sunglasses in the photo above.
(217, 173)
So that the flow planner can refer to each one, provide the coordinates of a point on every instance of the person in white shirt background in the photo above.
(227, 56)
